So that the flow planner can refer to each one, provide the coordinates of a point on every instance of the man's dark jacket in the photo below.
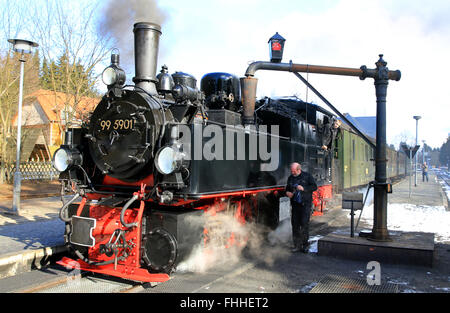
(329, 134)
(307, 181)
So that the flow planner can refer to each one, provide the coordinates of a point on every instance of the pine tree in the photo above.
(444, 155)
(68, 77)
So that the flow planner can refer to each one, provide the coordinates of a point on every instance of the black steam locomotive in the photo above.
(161, 152)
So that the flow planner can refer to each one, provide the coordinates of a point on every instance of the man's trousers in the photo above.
(301, 215)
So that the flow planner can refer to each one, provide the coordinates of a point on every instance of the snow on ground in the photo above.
(306, 288)
(313, 244)
(410, 217)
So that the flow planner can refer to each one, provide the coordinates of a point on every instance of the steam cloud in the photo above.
(117, 20)
(219, 250)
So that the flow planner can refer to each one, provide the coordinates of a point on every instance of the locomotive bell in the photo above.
(276, 45)
(165, 81)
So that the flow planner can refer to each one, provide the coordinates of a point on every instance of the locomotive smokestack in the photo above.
(146, 44)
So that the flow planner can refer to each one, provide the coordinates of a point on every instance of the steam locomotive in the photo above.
(160, 154)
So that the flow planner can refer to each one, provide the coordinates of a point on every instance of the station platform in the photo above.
(425, 193)
(409, 243)
(29, 239)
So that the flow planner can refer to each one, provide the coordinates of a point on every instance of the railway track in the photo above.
(446, 179)
(86, 282)
(82, 283)
(444, 176)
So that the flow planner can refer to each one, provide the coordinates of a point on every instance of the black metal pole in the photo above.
(352, 222)
(380, 231)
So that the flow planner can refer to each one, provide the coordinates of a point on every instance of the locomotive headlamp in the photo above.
(276, 45)
(113, 74)
(64, 158)
(168, 160)
(109, 76)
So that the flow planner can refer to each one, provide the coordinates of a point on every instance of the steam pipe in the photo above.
(363, 72)
(249, 83)
(122, 213)
(248, 90)
(62, 212)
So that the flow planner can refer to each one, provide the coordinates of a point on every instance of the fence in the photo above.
(32, 170)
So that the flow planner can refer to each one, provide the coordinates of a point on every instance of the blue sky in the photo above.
(225, 35)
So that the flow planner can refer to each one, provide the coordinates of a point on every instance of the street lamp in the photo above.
(417, 118)
(23, 47)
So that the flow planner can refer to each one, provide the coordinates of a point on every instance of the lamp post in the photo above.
(417, 118)
(23, 47)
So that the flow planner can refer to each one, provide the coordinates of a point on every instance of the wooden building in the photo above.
(44, 119)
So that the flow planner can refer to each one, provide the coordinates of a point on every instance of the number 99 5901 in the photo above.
(117, 124)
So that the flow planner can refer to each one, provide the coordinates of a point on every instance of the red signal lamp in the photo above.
(276, 45)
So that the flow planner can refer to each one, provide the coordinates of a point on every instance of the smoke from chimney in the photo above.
(117, 20)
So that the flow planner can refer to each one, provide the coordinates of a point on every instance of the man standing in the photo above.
(299, 189)
(330, 131)
(424, 172)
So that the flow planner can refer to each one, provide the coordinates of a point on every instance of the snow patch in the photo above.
(307, 288)
(397, 282)
(419, 218)
(446, 289)
(313, 241)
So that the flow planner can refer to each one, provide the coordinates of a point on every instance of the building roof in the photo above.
(369, 124)
(366, 124)
(54, 102)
